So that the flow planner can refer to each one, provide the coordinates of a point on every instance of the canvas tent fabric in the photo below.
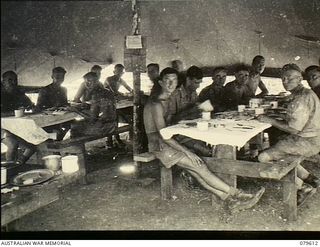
(198, 32)
(34, 67)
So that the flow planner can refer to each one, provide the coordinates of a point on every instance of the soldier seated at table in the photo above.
(101, 117)
(184, 105)
(313, 78)
(12, 98)
(214, 92)
(82, 94)
(236, 92)
(183, 101)
(302, 128)
(53, 96)
(258, 66)
(171, 153)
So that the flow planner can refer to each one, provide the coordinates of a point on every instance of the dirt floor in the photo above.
(112, 201)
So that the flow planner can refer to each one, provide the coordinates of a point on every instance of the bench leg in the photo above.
(166, 183)
(290, 195)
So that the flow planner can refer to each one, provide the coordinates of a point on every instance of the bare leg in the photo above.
(203, 172)
(219, 193)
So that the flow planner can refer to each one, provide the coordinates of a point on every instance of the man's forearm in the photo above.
(284, 127)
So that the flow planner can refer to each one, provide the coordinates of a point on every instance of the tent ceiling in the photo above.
(202, 32)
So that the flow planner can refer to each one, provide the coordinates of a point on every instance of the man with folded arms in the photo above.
(302, 128)
(236, 92)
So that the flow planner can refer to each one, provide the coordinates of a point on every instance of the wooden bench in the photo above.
(284, 172)
(31, 198)
(75, 146)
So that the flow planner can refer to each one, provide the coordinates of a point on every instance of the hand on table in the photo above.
(265, 119)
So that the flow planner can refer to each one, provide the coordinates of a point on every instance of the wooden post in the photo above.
(137, 62)
(137, 118)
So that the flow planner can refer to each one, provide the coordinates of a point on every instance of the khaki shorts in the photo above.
(294, 145)
(168, 155)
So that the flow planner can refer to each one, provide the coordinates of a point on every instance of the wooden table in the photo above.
(34, 124)
(124, 104)
(225, 165)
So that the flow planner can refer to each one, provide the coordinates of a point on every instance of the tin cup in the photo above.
(241, 108)
(206, 115)
(19, 113)
(258, 111)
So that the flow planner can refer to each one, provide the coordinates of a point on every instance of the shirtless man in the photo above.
(114, 82)
(171, 153)
(258, 66)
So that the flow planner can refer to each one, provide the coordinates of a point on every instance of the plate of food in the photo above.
(32, 177)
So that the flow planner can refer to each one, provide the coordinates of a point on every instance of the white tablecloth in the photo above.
(228, 132)
(29, 127)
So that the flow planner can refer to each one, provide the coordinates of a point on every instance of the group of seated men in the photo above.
(298, 134)
(300, 127)
(100, 114)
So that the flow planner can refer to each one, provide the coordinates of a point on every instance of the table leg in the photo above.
(257, 141)
(290, 195)
(225, 152)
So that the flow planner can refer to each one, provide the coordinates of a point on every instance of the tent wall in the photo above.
(202, 32)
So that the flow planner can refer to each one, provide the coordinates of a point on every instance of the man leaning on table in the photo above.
(302, 126)
(11, 99)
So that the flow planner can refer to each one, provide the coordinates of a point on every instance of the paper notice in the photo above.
(134, 42)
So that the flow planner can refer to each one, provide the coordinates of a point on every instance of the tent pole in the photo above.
(137, 112)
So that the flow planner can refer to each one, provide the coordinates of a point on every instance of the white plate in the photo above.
(32, 177)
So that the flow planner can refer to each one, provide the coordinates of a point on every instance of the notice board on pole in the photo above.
(135, 53)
